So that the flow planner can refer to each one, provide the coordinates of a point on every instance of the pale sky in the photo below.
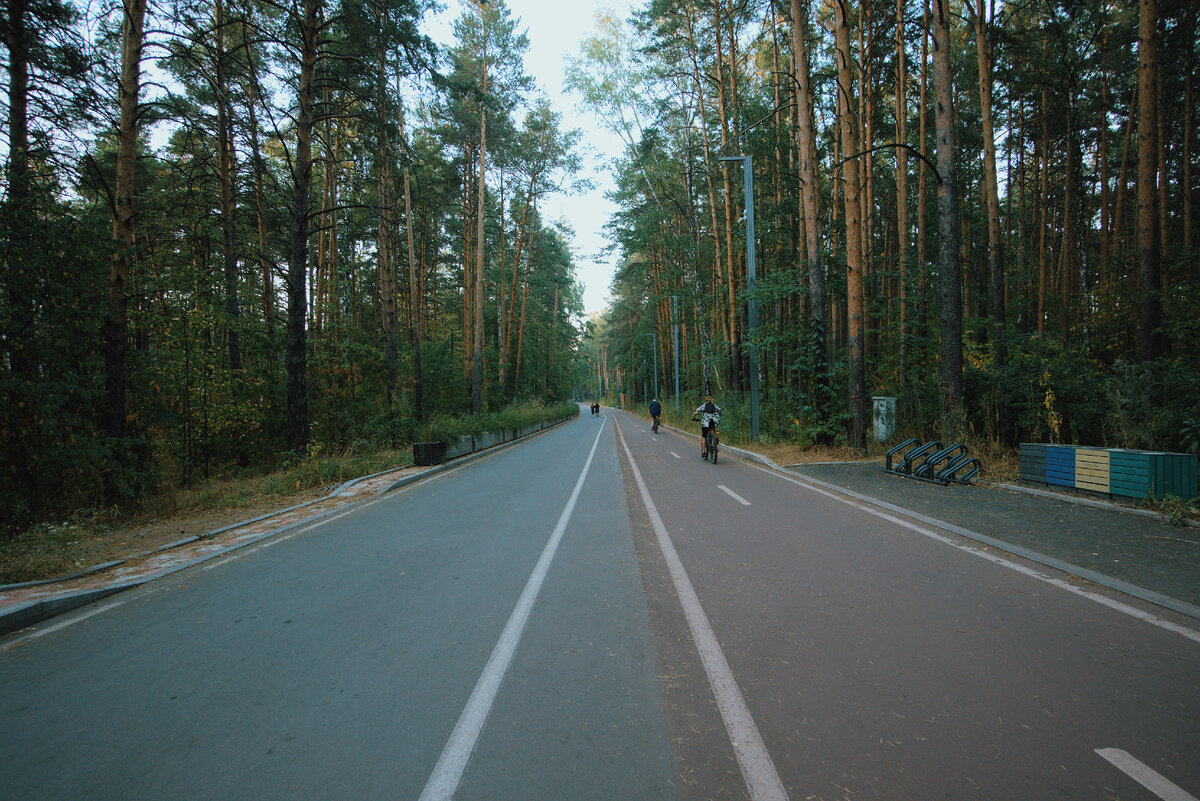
(555, 28)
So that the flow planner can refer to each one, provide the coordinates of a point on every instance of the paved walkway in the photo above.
(1141, 555)
(1118, 545)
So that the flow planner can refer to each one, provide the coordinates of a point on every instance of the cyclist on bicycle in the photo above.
(655, 411)
(708, 414)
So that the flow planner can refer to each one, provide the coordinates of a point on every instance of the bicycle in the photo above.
(712, 443)
(654, 427)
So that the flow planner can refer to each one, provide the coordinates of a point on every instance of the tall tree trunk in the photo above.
(17, 42)
(468, 244)
(709, 169)
(388, 290)
(19, 418)
(810, 197)
(949, 254)
(923, 179)
(521, 324)
(307, 22)
(854, 265)
(132, 34)
(416, 295)
(735, 352)
(1189, 127)
(991, 187)
(1044, 206)
(260, 213)
(1067, 251)
(386, 221)
(477, 327)
(902, 217)
(226, 172)
(1105, 190)
(1150, 339)
(866, 144)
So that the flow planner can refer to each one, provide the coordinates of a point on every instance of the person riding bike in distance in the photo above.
(709, 415)
(655, 412)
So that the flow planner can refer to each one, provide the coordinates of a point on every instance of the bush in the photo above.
(443, 428)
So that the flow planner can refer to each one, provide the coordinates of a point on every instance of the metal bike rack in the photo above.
(933, 463)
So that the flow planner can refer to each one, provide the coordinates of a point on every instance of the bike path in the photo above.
(875, 651)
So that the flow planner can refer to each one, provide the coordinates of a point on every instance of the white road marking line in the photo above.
(33, 635)
(1115, 605)
(676, 455)
(448, 772)
(762, 779)
(733, 495)
(1145, 776)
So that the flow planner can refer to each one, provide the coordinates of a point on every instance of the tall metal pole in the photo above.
(752, 310)
(675, 317)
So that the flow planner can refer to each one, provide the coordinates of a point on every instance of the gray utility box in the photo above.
(884, 422)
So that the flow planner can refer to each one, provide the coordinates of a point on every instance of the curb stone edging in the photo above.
(27, 614)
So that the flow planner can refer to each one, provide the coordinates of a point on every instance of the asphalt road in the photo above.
(596, 613)
(336, 663)
(884, 660)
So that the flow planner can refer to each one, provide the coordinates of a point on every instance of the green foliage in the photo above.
(51, 385)
(445, 428)
(46, 549)
(1052, 392)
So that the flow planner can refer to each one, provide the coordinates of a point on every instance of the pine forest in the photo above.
(235, 234)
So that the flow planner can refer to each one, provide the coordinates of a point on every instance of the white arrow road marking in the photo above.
(733, 495)
(1145, 776)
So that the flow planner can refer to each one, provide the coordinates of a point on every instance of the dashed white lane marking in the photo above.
(676, 455)
(762, 779)
(1145, 776)
(733, 495)
(1111, 603)
(448, 772)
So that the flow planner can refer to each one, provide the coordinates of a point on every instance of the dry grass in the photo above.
(788, 453)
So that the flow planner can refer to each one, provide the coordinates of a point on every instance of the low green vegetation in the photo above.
(51, 549)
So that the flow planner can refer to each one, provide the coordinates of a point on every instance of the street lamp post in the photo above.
(752, 310)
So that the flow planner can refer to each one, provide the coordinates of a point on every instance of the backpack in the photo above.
(710, 408)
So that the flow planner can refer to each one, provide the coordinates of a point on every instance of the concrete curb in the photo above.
(24, 615)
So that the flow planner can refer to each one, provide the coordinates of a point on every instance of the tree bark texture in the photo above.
(856, 330)
(116, 328)
(991, 186)
(307, 21)
(949, 252)
(1149, 338)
